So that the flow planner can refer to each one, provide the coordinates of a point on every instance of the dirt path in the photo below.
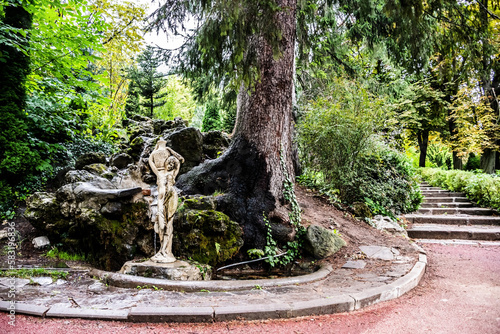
(460, 293)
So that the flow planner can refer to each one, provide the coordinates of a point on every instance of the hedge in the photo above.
(484, 189)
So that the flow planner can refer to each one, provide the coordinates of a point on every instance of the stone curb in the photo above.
(132, 282)
(335, 304)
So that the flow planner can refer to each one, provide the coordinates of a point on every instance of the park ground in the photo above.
(460, 293)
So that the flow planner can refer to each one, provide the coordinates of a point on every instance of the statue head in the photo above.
(172, 163)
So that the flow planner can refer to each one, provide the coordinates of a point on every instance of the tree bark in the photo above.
(488, 161)
(250, 171)
(423, 142)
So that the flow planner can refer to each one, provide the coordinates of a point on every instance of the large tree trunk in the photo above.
(488, 161)
(423, 143)
(250, 172)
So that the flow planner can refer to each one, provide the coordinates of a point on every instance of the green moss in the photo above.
(208, 236)
(96, 168)
(36, 272)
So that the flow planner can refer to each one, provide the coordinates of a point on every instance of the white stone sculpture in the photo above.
(165, 163)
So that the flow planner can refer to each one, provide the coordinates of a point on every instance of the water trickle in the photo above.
(154, 242)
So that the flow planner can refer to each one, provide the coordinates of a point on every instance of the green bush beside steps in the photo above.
(484, 189)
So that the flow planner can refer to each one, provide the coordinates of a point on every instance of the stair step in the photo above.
(430, 188)
(435, 231)
(457, 211)
(441, 193)
(459, 242)
(452, 219)
(445, 199)
(447, 205)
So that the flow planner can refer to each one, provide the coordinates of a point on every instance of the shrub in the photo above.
(344, 159)
(484, 189)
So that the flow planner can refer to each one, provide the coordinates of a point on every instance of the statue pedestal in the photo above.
(177, 271)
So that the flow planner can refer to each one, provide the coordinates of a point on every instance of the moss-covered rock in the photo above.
(90, 158)
(321, 242)
(206, 236)
(198, 202)
(136, 147)
(98, 168)
(361, 210)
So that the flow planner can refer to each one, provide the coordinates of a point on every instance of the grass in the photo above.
(55, 253)
(36, 272)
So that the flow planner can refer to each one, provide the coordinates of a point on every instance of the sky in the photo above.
(160, 39)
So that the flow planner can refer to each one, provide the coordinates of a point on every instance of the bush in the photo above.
(387, 178)
(343, 158)
(335, 130)
(484, 189)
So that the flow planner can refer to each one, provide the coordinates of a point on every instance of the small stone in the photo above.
(42, 280)
(41, 242)
(97, 288)
(3, 234)
(379, 252)
(359, 264)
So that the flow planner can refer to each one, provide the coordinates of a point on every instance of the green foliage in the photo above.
(148, 81)
(483, 189)
(335, 130)
(220, 47)
(388, 179)
(271, 248)
(55, 253)
(211, 119)
(345, 160)
(179, 100)
(37, 272)
(439, 154)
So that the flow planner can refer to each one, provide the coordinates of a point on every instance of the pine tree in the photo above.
(211, 119)
(253, 42)
(148, 81)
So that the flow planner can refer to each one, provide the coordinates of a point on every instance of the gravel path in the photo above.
(460, 293)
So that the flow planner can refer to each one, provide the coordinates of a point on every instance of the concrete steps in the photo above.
(436, 231)
(457, 211)
(447, 205)
(447, 215)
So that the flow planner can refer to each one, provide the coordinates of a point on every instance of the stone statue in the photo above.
(165, 163)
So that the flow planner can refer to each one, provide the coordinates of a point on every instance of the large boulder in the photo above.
(90, 158)
(204, 234)
(214, 143)
(188, 142)
(121, 160)
(321, 242)
(90, 215)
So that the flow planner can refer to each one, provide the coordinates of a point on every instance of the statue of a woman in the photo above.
(165, 163)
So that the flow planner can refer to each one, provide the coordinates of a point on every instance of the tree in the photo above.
(179, 101)
(253, 40)
(211, 119)
(16, 155)
(148, 80)
(122, 40)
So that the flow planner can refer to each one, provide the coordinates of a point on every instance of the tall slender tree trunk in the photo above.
(251, 172)
(423, 143)
(457, 161)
